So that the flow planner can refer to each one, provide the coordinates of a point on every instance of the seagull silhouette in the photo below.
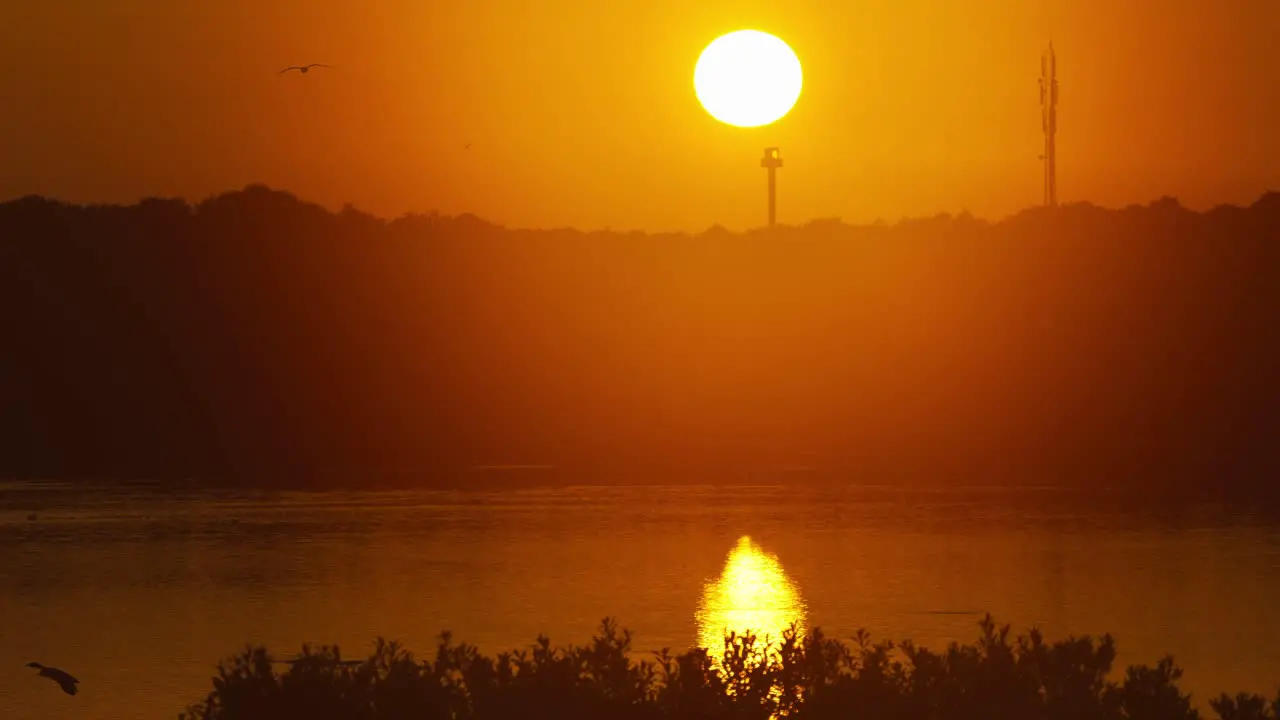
(303, 68)
(65, 681)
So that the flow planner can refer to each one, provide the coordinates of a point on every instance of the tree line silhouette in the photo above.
(805, 677)
(259, 337)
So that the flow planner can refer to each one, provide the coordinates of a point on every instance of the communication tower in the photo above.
(1049, 119)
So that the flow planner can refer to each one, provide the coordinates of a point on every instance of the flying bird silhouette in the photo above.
(65, 681)
(303, 68)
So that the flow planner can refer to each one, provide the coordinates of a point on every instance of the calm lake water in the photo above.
(139, 594)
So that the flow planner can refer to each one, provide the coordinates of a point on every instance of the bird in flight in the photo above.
(303, 68)
(65, 681)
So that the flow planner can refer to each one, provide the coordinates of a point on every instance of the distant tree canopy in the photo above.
(255, 335)
(807, 677)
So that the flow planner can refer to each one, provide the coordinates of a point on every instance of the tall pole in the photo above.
(772, 162)
(1049, 120)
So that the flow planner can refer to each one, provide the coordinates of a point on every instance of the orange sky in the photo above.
(583, 113)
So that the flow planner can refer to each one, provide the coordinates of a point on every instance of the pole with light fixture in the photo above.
(772, 162)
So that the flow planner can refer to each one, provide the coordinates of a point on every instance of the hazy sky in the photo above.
(582, 112)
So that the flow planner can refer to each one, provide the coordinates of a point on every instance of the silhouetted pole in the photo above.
(1049, 119)
(772, 162)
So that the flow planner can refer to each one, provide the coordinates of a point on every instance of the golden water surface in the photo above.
(752, 595)
(139, 594)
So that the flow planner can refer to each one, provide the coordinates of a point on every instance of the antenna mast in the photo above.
(1049, 119)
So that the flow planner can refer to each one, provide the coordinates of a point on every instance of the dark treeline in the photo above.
(257, 336)
(807, 677)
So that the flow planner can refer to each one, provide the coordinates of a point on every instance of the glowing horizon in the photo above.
(576, 116)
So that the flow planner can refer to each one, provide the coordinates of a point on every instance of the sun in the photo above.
(747, 78)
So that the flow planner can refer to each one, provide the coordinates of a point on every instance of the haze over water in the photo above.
(139, 595)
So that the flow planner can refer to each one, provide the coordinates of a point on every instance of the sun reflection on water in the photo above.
(752, 594)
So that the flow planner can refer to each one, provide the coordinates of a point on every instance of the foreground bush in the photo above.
(809, 676)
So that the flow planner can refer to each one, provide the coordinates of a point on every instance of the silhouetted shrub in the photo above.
(811, 677)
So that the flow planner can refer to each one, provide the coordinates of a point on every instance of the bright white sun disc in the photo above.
(747, 78)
